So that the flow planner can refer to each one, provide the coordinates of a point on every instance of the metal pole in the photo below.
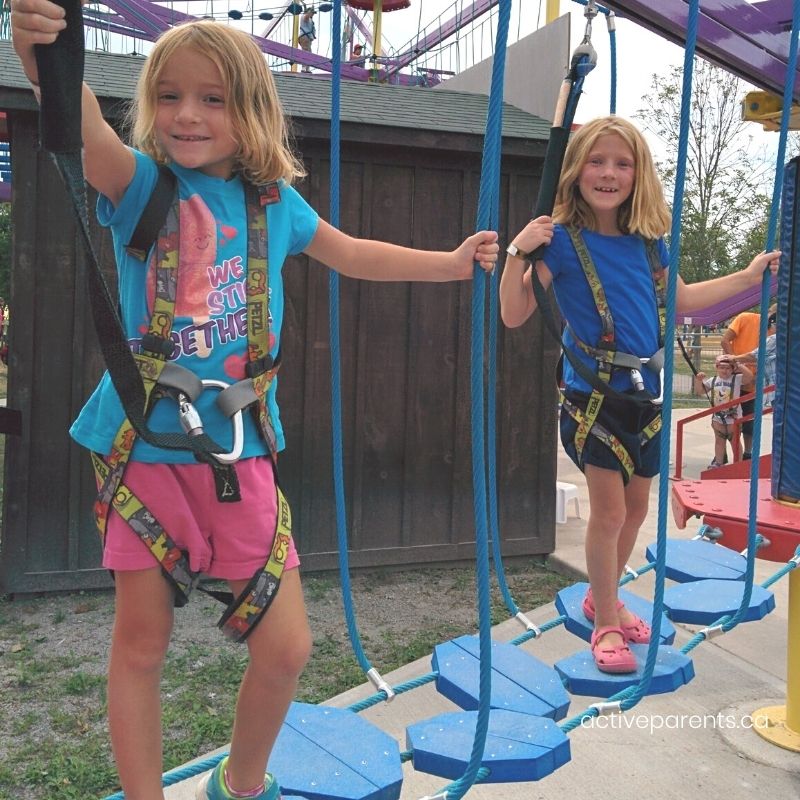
(781, 724)
(793, 655)
(295, 36)
(376, 28)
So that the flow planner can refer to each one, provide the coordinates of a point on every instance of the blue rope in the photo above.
(612, 42)
(336, 371)
(488, 200)
(788, 92)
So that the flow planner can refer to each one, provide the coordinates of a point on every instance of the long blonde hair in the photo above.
(257, 118)
(644, 213)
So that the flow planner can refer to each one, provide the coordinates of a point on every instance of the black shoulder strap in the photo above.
(153, 215)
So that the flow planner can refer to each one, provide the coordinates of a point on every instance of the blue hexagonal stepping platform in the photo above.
(520, 681)
(697, 560)
(569, 600)
(704, 602)
(581, 676)
(519, 747)
(325, 753)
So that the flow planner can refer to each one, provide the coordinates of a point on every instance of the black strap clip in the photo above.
(158, 345)
(258, 367)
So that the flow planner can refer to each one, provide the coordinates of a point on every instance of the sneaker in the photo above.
(212, 786)
(714, 464)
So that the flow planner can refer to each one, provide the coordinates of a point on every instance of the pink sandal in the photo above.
(614, 659)
(636, 631)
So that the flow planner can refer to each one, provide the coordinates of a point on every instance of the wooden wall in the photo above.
(405, 370)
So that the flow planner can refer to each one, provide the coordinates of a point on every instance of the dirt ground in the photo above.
(54, 651)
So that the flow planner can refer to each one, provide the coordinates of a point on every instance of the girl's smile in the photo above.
(192, 124)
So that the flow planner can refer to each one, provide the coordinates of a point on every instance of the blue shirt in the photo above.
(210, 326)
(624, 271)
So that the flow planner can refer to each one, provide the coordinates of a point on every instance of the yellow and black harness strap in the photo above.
(608, 438)
(156, 346)
(174, 561)
(241, 616)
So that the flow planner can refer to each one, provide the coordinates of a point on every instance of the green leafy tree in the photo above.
(727, 178)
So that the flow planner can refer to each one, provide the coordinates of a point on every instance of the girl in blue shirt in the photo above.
(207, 108)
(611, 202)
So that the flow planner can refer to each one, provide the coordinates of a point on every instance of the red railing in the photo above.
(706, 412)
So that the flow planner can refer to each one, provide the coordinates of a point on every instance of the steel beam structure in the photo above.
(749, 40)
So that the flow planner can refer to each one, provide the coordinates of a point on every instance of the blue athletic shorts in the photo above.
(625, 421)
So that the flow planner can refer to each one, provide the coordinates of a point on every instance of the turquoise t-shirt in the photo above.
(624, 272)
(210, 327)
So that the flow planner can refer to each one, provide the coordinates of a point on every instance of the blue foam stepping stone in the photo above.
(569, 601)
(519, 747)
(520, 681)
(581, 676)
(325, 753)
(697, 559)
(704, 602)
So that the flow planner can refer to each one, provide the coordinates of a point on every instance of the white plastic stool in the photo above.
(564, 493)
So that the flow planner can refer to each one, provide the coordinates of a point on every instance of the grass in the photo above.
(53, 735)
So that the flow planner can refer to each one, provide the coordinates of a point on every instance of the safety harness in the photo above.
(721, 392)
(159, 224)
(609, 359)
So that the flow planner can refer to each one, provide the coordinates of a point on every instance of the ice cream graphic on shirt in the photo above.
(211, 290)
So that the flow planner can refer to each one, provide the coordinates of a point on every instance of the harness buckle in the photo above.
(638, 382)
(192, 423)
(657, 401)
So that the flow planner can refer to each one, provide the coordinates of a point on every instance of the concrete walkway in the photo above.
(678, 745)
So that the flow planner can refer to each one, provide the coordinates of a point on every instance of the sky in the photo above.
(640, 54)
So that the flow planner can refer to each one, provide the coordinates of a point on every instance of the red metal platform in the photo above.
(726, 504)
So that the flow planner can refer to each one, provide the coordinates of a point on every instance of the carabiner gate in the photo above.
(192, 423)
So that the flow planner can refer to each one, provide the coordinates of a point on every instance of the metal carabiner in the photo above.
(235, 452)
(657, 401)
(192, 423)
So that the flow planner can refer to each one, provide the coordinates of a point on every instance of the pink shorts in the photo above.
(224, 540)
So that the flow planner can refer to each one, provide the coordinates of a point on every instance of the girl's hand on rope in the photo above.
(481, 247)
(755, 269)
(535, 234)
(34, 22)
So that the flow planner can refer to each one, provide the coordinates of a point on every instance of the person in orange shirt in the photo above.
(741, 337)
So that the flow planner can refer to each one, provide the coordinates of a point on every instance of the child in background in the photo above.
(725, 386)
(606, 259)
(207, 108)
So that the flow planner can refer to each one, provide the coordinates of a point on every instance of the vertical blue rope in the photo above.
(788, 95)
(669, 354)
(491, 400)
(336, 371)
(487, 204)
(612, 42)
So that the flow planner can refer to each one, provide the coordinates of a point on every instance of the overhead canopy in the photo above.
(750, 40)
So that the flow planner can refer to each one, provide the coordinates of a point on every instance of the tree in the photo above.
(727, 184)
